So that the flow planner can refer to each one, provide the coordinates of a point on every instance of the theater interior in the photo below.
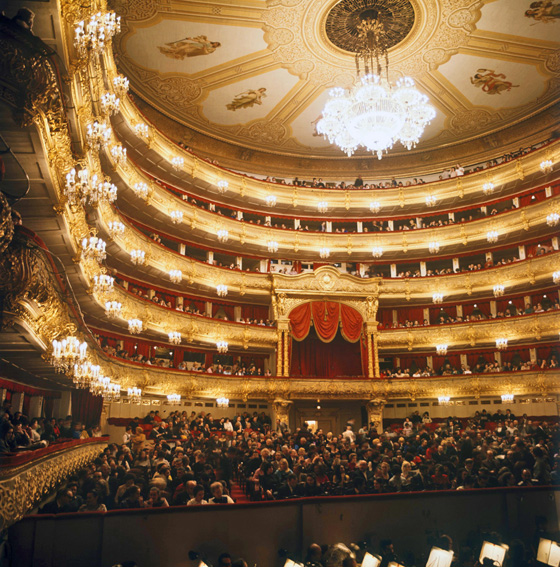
(195, 216)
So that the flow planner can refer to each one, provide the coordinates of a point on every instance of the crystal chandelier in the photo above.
(441, 350)
(112, 392)
(324, 252)
(222, 346)
(375, 206)
(501, 344)
(98, 135)
(113, 309)
(135, 395)
(499, 290)
(67, 352)
(271, 200)
(431, 200)
(103, 283)
(177, 162)
(223, 235)
(272, 246)
(488, 188)
(507, 398)
(176, 217)
(375, 113)
(444, 400)
(176, 276)
(119, 154)
(120, 85)
(110, 104)
(142, 130)
(174, 338)
(94, 35)
(222, 402)
(86, 189)
(377, 251)
(141, 189)
(221, 290)
(116, 228)
(93, 248)
(546, 166)
(222, 185)
(556, 277)
(492, 236)
(84, 374)
(322, 206)
(174, 399)
(437, 297)
(134, 326)
(433, 247)
(138, 257)
(552, 219)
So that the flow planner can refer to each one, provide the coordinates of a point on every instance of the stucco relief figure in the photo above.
(544, 11)
(314, 124)
(491, 82)
(247, 99)
(189, 47)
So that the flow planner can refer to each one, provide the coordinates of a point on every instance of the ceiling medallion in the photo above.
(374, 113)
(344, 18)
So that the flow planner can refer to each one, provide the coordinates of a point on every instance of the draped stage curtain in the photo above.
(86, 408)
(332, 347)
(314, 357)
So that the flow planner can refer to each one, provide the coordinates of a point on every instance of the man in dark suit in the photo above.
(289, 488)
(60, 504)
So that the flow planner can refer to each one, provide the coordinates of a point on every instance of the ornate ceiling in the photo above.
(256, 73)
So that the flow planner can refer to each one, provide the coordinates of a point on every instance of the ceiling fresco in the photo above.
(256, 73)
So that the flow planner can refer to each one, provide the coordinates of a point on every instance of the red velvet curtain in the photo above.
(86, 408)
(326, 316)
(484, 308)
(314, 357)
(410, 314)
(300, 321)
(254, 312)
(385, 317)
(352, 323)
(227, 308)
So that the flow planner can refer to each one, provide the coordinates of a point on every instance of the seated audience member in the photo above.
(198, 499)
(218, 494)
(156, 500)
(92, 503)
(60, 505)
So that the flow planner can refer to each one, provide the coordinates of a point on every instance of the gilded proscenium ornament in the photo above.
(23, 487)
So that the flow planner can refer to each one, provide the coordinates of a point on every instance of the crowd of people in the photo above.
(482, 366)
(20, 433)
(443, 318)
(194, 459)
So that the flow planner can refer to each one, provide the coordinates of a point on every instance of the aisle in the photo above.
(237, 493)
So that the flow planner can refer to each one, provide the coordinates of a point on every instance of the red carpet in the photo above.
(237, 494)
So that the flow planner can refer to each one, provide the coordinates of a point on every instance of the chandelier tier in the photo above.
(375, 113)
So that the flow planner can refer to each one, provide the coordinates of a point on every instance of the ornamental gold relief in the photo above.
(24, 487)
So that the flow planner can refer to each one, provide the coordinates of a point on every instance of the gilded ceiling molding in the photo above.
(446, 191)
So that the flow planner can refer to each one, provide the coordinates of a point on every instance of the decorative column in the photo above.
(279, 354)
(286, 353)
(281, 411)
(375, 413)
(372, 305)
